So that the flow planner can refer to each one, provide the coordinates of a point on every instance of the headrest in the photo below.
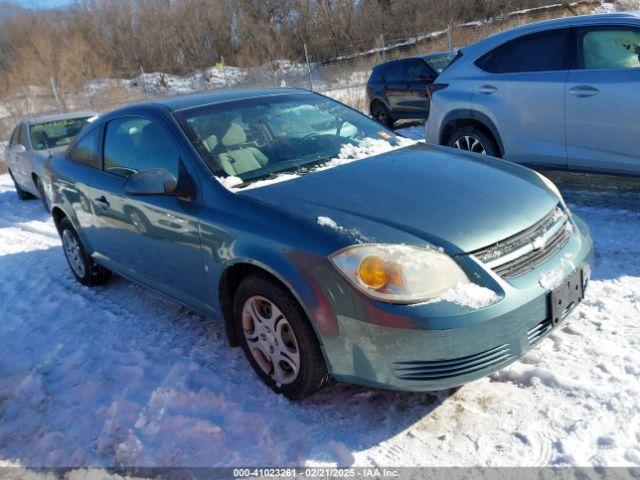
(210, 142)
(234, 136)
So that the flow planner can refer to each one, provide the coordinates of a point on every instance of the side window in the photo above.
(15, 135)
(22, 137)
(538, 52)
(133, 144)
(394, 72)
(608, 48)
(85, 150)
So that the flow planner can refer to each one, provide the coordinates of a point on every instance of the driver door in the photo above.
(153, 239)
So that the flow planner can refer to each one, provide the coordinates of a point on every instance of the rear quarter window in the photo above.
(15, 135)
(376, 75)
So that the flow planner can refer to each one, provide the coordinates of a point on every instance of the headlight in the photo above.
(399, 273)
(552, 187)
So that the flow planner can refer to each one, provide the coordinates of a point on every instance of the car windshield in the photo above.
(440, 62)
(264, 136)
(57, 133)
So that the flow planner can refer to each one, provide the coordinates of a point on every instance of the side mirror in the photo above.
(18, 147)
(160, 181)
(156, 181)
(5, 144)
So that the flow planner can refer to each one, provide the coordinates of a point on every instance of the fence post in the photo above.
(306, 57)
(381, 47)
(55, 94)
(449, 41)
(144, 83)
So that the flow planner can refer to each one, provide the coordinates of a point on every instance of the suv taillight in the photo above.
(434, 87)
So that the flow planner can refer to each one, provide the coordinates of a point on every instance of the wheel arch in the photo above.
(58, 215)
(459, 118)
(380, 99)
(230, 280)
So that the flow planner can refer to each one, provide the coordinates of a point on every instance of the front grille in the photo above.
(529, 248)
(443, 369)
(537, 333)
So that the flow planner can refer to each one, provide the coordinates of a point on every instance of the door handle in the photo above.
(584, 91)
(487, 89)
(102, 202)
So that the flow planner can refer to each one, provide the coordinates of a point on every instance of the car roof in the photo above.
(422, 56)
(575, 21)
(208, 98)
(60, 116)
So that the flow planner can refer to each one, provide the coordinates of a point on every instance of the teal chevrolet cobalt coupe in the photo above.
(330, 247)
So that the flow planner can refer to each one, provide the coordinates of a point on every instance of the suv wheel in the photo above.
(380, 114)
(22, 195)
(86, 271)
(278, 339)
(471, 139)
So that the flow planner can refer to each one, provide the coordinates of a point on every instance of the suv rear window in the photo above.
(537, 52)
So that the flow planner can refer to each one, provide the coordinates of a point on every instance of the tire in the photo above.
(380, 113)
(263, 305)
(22, 195)
(86, 271)
(471, 139)
(43, 196)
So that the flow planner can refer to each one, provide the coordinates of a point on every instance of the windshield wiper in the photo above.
(268, 176)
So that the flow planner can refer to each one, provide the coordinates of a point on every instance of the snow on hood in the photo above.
(367, 147)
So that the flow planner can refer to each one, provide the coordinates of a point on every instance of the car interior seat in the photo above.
(41, 139)
(239, 157)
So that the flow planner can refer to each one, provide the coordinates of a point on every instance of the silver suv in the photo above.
(559, 94)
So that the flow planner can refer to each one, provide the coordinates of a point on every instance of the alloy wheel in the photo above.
(72, 252)
(271, 340)
(380, 113)
(471, 144)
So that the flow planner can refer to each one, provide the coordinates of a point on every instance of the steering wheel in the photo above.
(312, 136)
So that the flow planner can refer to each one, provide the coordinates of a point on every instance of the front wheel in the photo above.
(86, 271)
(278, 339)
(473, 140)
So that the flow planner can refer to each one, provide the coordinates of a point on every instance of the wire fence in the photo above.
(343, 78)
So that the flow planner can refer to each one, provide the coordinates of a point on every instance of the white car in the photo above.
(32, 142)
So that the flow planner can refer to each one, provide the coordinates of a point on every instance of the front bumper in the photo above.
(442, 345)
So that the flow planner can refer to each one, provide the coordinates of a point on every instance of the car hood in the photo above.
(458, 201)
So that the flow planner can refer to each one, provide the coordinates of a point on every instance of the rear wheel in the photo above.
(22, 194)
(278, 339)
(380, 113)
(86, 271)
(472, 139)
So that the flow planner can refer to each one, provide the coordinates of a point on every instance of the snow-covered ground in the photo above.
(118, 375)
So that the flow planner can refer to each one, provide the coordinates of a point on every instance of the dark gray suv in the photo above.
(400, 89)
